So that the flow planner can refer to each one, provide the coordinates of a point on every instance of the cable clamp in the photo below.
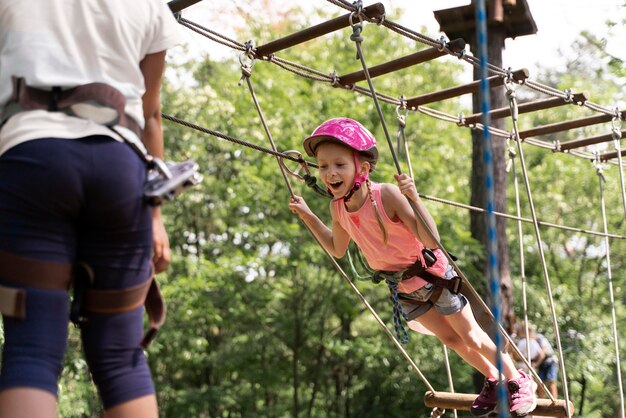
(569, 96)
(334, 79)
(442, 44)
(460, 120)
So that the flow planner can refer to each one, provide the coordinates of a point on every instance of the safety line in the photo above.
(609, 274)
(514, 114)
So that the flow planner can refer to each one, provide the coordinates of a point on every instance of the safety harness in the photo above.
(392, 278)
(105, 105)
(98, 102)
(417, 269)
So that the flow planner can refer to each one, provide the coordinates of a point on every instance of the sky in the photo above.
(558, 22)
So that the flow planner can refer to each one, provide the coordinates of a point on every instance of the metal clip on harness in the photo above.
(166, 181)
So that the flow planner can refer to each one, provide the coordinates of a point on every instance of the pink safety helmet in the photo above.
(348, 132)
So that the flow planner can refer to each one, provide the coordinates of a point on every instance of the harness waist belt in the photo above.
(97, 102)
(453, 284)
(417, 269)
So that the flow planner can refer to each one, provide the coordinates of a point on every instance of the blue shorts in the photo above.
(548, 371)
(69, 200)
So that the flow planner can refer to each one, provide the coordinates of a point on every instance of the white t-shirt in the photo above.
(535, 349)
(69, 43)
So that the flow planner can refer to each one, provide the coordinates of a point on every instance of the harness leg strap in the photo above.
(125, 300)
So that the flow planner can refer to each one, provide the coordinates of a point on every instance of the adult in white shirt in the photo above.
(71, 195)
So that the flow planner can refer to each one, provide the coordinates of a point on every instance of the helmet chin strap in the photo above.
(358, 179)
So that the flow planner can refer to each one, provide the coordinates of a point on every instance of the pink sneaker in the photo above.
(487, 400)
(522, 398)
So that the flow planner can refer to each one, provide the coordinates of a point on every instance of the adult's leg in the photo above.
(145, 406)
(27, 403)
(115, 240)
(40, 196)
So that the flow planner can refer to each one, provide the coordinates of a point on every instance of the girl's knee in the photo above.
(452, 341)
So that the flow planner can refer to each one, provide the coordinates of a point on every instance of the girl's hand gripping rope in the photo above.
(406, 186)
(299, 206)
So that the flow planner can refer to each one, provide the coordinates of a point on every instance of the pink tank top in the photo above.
(402, 248)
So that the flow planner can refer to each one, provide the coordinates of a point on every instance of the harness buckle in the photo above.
(455, 285)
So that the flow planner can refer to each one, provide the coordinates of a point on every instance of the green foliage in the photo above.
(260, 324)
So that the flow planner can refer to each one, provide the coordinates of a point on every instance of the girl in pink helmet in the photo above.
(380, 220)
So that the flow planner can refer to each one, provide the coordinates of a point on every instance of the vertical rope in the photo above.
(449, 373)
(492, 246)
(514, 115)
(520, 238)
(609, 274)
(617, 135)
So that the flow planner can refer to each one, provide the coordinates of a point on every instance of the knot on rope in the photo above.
(310, 181)
(356, 32)
(398, 313)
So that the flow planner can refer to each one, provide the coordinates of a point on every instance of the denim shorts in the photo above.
(447, 304)
(548, 371)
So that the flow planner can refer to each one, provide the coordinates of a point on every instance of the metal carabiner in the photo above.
(402, 116)
(616, 124)
(303, 164)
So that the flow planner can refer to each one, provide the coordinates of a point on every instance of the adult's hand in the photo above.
(161, 253)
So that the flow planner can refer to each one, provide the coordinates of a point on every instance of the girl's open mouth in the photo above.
(336, 185)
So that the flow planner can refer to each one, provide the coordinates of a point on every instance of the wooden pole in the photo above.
(463, 402)
(456, 45)
(373, 11)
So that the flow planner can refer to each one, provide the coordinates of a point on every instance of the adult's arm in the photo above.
(152, 67)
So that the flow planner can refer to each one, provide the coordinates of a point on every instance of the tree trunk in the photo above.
(495, 39)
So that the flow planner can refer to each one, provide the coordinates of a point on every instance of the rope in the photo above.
(517, 218)
(402, 142)
(449, 373)
(514, 113)
(520, 238)
(398, 313)
(246, 73)
(492, 236)
(234, 140)
(617, 136)
(609, 274)
(211, 34)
